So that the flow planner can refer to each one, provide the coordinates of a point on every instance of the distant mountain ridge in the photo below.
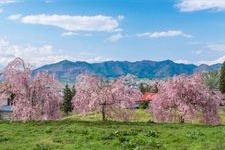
(67, 71)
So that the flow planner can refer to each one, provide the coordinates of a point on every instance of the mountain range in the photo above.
(66, 71)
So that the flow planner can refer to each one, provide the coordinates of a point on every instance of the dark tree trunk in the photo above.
(103, 112)
(181, 119)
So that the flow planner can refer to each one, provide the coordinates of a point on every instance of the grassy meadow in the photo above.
(90, 133)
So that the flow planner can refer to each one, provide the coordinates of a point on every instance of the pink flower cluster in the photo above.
(37, 98)
(185, 98)
(112, 98)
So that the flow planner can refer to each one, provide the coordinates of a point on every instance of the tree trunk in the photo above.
(103, 112)
(181, 119)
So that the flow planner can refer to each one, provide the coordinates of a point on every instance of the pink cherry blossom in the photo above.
(36, 98)
(112, 98)
(185, 98)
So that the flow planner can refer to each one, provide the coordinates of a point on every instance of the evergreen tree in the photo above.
(222, 79)
(212, 79)
(144, 87)
(67, 98)
(73, 91)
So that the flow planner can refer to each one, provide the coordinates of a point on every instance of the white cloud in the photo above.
(69, 33)
(15, 17)
(120, 17)
(98, 59)
(217, 47)
(211, 62)
(74, 23)
(170, 33)
(40, 55)
(86, 53)
(207, 62)
(199, 52)
(198, 5)
(195, 43)
(117, 30)
(115, 38)
(7, 1)
(49, 1)
(88, 34)
(35, 55)
(182, 61)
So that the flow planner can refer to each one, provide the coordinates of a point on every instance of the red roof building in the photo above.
(147, 96)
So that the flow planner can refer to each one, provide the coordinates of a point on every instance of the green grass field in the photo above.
(91, 133)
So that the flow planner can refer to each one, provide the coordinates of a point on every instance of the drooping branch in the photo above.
(35, 98)
(185, 98)
(109, 97)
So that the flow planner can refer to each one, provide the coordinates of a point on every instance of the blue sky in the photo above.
(47, 31)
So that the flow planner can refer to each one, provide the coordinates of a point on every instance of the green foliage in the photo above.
(144, 87)
(153, 133)
(41, 147)
(73, 91)
(222, 79)
(4, 139)
(194, 134)
(68, 95)
(144, 105)
(71, 134)
(212, 79)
